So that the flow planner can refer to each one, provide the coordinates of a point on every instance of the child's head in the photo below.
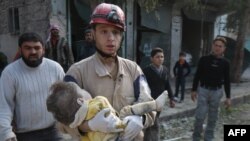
(62, 101)
(182, 55)
(157, 56)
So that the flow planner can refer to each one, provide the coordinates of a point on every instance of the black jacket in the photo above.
(213, 72)
(158, 83)
(181, 70)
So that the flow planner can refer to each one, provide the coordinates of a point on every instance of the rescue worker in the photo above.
(106, 74)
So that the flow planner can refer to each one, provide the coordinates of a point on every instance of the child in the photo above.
(181, 71)
(157, 77)
(71, 105)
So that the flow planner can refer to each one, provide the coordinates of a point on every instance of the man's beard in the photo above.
(34, 63)
(105, 55)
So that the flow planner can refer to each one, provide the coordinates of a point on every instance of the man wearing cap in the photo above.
(58, 49)
(87, 47)
(120, 80)
(212, 72)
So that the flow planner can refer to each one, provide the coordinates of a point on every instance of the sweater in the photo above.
(213, 72)
(61, 52)
(23, 94)
(158, 82)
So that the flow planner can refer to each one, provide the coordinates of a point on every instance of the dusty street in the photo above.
(181, 129)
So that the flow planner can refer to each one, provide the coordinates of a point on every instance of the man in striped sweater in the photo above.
(24, 88)
(58, 49)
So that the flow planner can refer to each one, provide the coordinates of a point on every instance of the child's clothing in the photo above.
(90, 108)
(181, 71)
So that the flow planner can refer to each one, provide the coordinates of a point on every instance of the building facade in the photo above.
(19, 16)
(171, 26)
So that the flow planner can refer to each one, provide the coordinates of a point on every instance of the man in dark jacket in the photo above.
(86, 47)
(212, 72)
(158, 81)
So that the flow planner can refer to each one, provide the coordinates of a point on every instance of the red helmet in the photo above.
(111, 14)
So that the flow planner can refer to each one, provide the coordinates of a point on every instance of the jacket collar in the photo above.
(102, 71)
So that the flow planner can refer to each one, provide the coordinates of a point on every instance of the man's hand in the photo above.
(133, 128)
(227, 103)
(103, 123)
(193, 96)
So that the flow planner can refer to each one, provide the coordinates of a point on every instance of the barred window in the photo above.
(14, 27)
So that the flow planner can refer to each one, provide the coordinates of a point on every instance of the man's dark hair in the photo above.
(29, 37)
(182, 54)
(222, 39)
(155, 51)
(87, 31)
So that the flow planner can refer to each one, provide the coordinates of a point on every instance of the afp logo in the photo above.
(233, 132)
